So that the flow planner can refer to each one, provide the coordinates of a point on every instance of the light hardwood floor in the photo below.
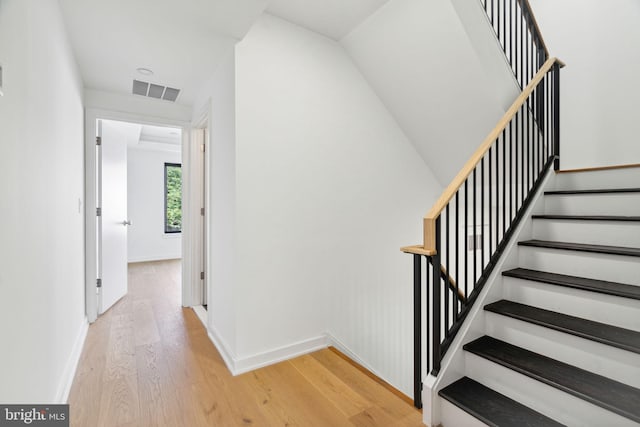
(149, 362)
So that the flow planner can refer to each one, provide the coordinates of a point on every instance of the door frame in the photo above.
(198, 236)
(92, 115)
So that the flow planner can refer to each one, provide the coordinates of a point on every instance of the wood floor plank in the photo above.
(146, 330)
(149, 362)
(119, 402)
(371, 417)
(367, 387)
(335, 390)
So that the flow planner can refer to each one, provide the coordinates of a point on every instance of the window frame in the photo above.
(165, 195)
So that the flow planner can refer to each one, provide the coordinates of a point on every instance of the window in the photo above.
(172, 198)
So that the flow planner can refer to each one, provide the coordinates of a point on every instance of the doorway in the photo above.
(146, 138)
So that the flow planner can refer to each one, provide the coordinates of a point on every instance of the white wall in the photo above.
(328, 188)
(417, 56)
(162, 112)
(222, 204)
(42, 322)
(146, 239)
(599, 86)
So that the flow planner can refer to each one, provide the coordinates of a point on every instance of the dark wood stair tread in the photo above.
(596, 389)
(625, 339)
(583, 283)
(588, 217)
(582, 247)
(593, 191)
(491, 407)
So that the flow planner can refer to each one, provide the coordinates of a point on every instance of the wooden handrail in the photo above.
(525, 4)
(428, 246)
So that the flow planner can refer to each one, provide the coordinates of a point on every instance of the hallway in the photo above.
(148, 361)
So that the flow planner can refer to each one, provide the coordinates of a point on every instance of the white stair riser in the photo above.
(593, 204)
(601, 359)
(452, 416)
(614, 268)
(619, 178)
(613, 233)
(548, 400)
(612, 310)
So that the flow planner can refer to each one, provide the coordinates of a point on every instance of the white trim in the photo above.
(223, 348)
(91, 115)
(152, 258)
(243, 365)
(69, 373)
(201, 312)
(280, 354)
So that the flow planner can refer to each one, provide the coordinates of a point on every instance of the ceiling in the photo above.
(183, 41)
(147, 137)
(332, 18)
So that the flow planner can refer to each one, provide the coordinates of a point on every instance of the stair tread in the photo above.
(596, 389)
(582, 247)
(593, 191)
(593, 285)
(491, 407)
(625, 339)
(588, 217)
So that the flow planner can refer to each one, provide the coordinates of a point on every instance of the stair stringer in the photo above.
(453, 364)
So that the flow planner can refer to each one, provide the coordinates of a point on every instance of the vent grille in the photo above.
(155, 91)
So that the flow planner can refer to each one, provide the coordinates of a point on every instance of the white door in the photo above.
(113, 222)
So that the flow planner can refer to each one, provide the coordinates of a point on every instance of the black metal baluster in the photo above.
(417, 331)
(456, 252)
(427, 291)
(497, 192)
(482, 214)
(504, 184)
(510, 173)
(522, 168)
(466, 238)
(511, 58)
(446, 275)
(490, 209)
(437, 355)
(475, 241)
(556, 115)
(517, 119)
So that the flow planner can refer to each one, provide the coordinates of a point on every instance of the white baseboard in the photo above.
(222, 347)
(202, 314)
(239, 366)
(69, 373)
(280, 354)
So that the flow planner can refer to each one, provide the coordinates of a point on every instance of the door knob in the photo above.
(126, 222)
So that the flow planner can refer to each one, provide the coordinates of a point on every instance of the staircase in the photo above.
(561, 343)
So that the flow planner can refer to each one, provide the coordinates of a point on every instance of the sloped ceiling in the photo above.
(182, 42)
(332, 18)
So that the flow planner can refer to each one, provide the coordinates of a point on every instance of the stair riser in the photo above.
(614, 268)
(601, 359)
(619, 178)
(543, 398)
(613, 233)
(612, 310)
(593, 204)
(452, 416)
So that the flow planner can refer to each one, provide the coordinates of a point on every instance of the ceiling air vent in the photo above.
(155, 91)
